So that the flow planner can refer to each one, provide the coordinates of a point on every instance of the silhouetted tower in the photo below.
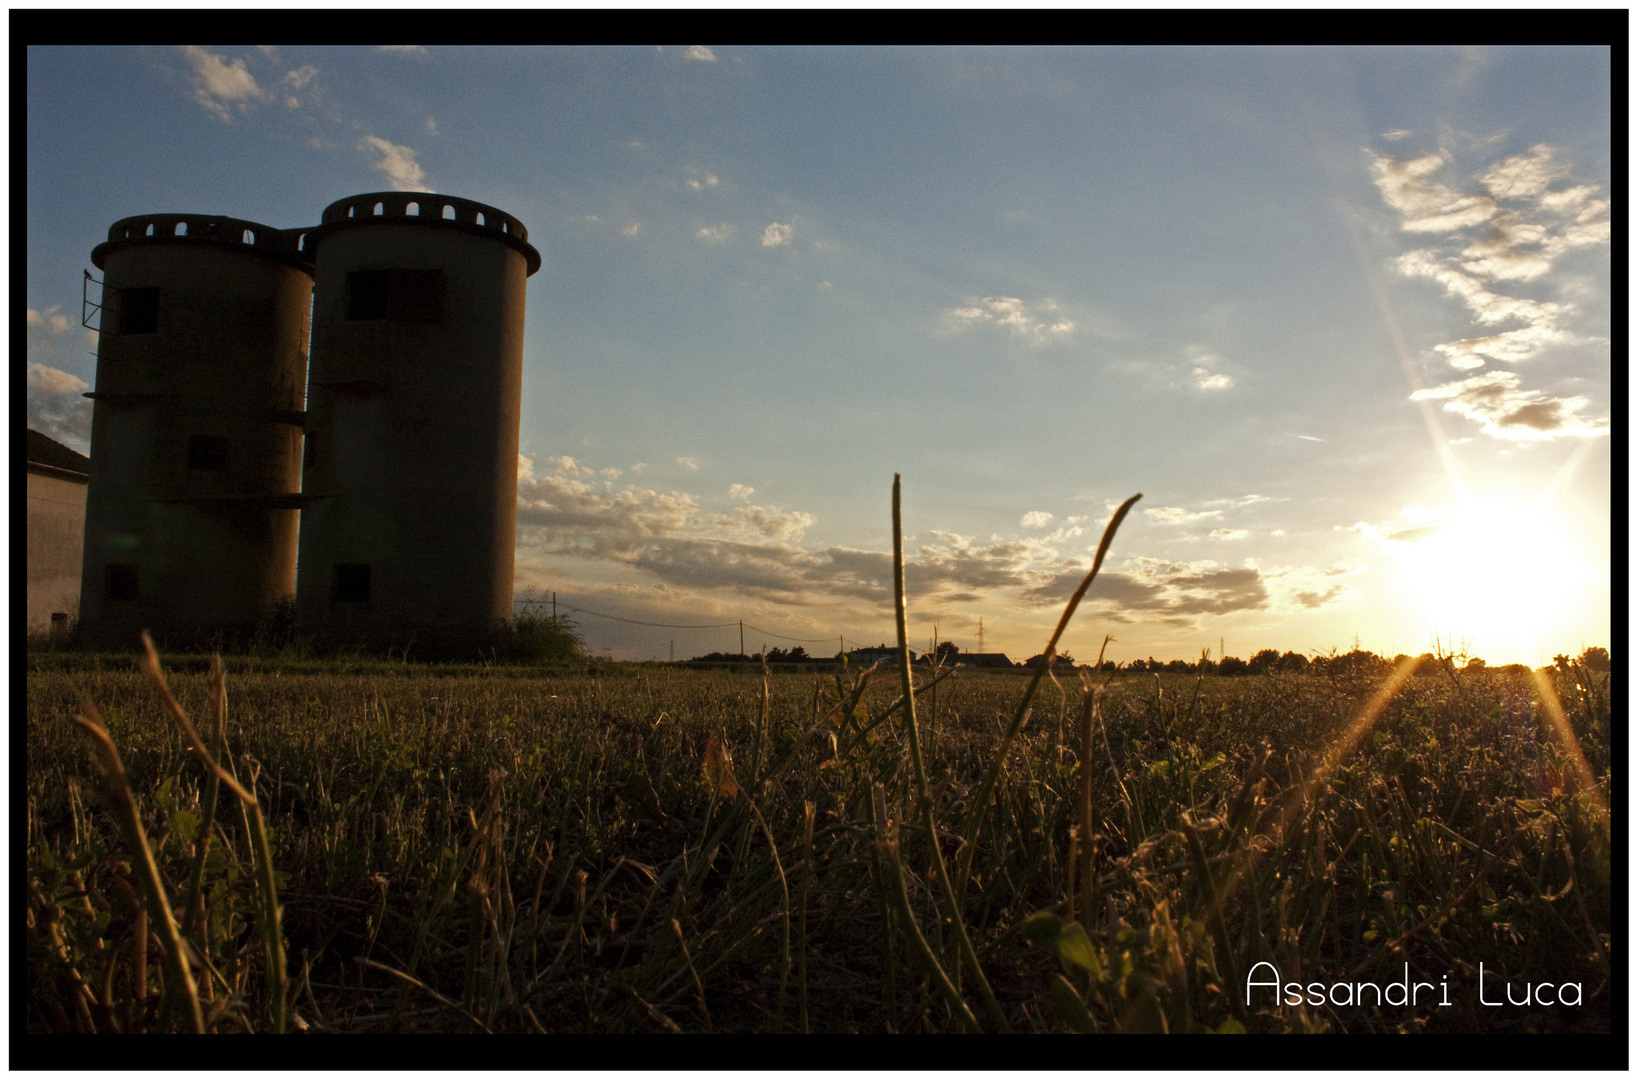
(196, 427)
(411, 463)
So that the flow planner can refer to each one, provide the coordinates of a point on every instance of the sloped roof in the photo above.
(44, 450)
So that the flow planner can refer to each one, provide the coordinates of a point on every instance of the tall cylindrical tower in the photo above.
(196, 427)
(411, 464)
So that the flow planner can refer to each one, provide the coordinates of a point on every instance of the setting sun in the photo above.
(1494, 573)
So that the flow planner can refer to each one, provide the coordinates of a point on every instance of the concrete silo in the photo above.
(410, 472)
(196, 429)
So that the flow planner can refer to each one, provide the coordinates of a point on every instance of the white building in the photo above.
(57, 478)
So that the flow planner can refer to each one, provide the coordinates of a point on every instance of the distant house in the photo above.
(984, 660)
(866, 657)
(57, 479)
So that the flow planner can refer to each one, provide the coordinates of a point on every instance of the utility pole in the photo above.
(742, 637)
(981, 633)
(673, 650)
(554, 607)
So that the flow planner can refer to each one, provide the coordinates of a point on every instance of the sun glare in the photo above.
(1496, 573)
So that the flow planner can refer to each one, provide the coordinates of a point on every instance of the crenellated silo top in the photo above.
(292, 246)
(428, 209)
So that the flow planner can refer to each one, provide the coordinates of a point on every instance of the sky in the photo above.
(1342, 316)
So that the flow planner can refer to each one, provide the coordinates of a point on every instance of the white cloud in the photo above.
(396, 163)
(699, 52)
(1035, 519)
(432, 126)
(1037, 321)
(1206, 379)
(1176, 515)
(1518, 242)
(1313, 438)
(1396, 134)
(56, 406)
(689, 463)
(220, 84)
(632, 230)
(698, 181)
(1423, 205)
(1229, 534)
(1507, 412)
(51, 320)
(404, 50)
(593, 218)
(715, 234)
(776, 234)
(1524, 175)
(824, 285)
(740, 491)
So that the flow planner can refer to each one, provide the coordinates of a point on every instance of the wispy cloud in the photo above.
(1425, 205)
(404, 50)
(1495, 400)
(715, 234)
(220, 84)
(1038, 320)
(294, 82)
(689, 463)
(1176, 515)
(1229, 534)
(695, 180)
(1512, 227)
(396, 163)
(700, 52)
(633, 229)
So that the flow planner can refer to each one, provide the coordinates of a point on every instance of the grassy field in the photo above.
(648, 849)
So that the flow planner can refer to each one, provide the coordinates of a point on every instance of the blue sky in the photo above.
(1343, 316)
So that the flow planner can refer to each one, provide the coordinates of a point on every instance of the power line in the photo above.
(639, 622)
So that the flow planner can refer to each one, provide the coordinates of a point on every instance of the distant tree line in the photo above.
(1359, 663)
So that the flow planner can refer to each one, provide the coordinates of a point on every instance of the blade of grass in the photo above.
(958, 921)
(981, 798)
(179, 984)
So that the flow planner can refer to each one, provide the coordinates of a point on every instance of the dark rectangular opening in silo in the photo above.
(367, 295)
(119, 581)
(352, 583)
(416, 296)
(310, 448)
(139, 311)
(207, 453)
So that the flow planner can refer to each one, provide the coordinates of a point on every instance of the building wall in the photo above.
(56, 541)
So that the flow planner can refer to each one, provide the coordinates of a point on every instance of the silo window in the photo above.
(352, 583)
(207, 453)
(139, 311)
(417, 296)
(367, 295)
(404, 295)
(310, 449)
(119, 581)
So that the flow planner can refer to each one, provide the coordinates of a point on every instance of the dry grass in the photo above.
(493, 852)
